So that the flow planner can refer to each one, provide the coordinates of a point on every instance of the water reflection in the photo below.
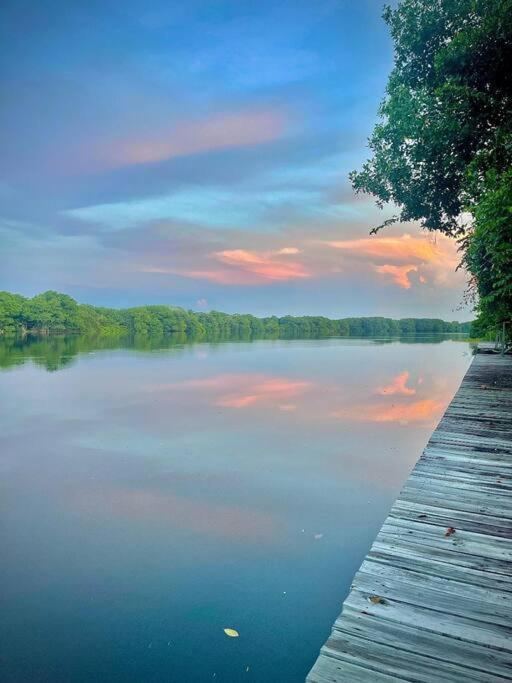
(244, 390)
(59, 351)
(392, 402)
(158, 496)
(398, 386)
(183, 515)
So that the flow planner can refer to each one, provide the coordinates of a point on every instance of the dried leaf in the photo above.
(450, 531)
(376, 600)
(231, 632)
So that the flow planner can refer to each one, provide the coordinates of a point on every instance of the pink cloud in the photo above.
(221, 131)
(238, 401)
(398, 273)
(398, 249)
(395, 257)
(220, 277)
(262, 265)
(241, 267)
(406, 262)
(288, 250)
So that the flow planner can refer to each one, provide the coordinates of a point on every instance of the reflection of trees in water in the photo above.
(59, 351)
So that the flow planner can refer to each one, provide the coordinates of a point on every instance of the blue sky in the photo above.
(197, 154)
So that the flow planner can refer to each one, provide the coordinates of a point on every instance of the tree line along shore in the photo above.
(55, 313)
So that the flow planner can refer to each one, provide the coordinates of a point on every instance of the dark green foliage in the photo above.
(444, 143)
(59, 351)
(11, 312)
(489, 251)
(52, 312)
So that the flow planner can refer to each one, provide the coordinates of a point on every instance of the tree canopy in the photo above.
(442, 150)
(51, 312)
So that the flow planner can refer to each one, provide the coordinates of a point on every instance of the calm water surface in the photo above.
(152, 499)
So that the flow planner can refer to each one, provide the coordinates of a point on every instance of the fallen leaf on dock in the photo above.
(450, 531)
(231, 632)
(376, 600)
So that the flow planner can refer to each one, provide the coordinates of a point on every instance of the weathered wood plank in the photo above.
(450, 625)
(452, 597)
(441, 563)
(446, 517)
(399, 636)
(329, 669)
(402, 664)
(427, 605)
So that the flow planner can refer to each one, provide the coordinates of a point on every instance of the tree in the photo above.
(488, 255)
(51, 311)
(445, 135)
(150, 325)
(11, 312)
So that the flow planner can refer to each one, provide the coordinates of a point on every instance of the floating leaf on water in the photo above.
(231, 632)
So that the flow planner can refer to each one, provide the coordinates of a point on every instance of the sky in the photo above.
(198, 153)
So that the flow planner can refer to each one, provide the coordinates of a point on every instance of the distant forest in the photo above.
(55, 313)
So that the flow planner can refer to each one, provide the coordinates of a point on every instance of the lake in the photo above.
(151, 499)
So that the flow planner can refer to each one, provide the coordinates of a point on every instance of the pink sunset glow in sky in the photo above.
(204, 157)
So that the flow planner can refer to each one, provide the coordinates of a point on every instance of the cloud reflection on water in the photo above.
(178, 512)
(242, 390)
(397, 386)
(320, 400)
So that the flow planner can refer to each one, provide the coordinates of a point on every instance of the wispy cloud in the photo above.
(241, 267)
(432, 259)
(263, 265)
(220, 131)
(394, 249)
(208, 207)
(399, 274)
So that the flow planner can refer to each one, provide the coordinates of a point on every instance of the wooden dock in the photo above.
(432, 601)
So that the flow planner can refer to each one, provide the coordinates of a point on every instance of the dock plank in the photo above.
(426, 605)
